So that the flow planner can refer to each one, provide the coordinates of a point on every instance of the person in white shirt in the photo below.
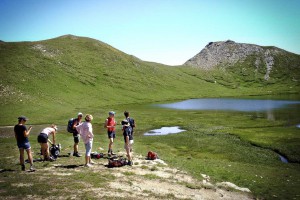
(86, 132)
(43, 140)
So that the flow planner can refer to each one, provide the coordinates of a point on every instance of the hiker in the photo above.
(76, 122)
(132, 125)
(127, 130)
(110, 124)
(43, 139)
(21, 135)
(85, 130)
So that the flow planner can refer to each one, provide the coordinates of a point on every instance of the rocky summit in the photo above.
(228, 53)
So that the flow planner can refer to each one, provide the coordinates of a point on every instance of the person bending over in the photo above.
(43, 139)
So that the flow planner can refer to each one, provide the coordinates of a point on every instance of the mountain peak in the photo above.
(228, 53)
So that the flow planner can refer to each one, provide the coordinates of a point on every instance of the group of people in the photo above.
(80, 129)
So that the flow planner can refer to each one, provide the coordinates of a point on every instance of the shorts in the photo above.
(88, 148)
(76, 138)
(24, 145)
(131, 136)
(75, 133)
(111, 134)
(42, 138)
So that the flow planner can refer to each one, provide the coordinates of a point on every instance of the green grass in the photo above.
(67, 74)
(80, 74)
(218, 147)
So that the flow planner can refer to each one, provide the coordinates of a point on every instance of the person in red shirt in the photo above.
(110, 124)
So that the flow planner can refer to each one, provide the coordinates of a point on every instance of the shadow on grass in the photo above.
(64, 156)
(69, 166)
(6, 170)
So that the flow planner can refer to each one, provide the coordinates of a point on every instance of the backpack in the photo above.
(55, 150)
(70, 125)
(96, 155)
(116, 162)
(131, 122)
(152, 155)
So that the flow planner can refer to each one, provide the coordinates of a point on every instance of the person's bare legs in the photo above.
(22, 159)
(111, 141)
(127, 145)
(75, 147)
(45, 150)
(30, 159)
(86, 160)
(29, 156)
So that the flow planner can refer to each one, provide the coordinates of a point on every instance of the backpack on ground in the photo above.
(152, 155)
(55, 150)
(96, 155)
(70, 125)
(116, 162)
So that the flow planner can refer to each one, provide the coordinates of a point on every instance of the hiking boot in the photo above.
(76, 154)
(50, 158)
(23, 167)
(88, 165)
(32, 169)
(92, 162)
(129, 163)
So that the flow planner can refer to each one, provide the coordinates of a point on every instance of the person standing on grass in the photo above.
(132, 125)
(110, 124)
(127, 130)
(76, 122)
(21, 135)
(86, 132)
(43, 139)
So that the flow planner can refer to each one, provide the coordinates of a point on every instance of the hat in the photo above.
(111, 113)
(23, 118)
(79, 114)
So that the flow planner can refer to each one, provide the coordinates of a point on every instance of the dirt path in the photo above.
(156, 180)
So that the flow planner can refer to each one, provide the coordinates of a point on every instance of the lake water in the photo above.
(164, 131)
(284, 109)
(245, 105)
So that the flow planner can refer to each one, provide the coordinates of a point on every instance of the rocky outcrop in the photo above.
(229, 52)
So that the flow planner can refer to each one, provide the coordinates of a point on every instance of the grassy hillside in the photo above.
(50, 81)
(68, 73)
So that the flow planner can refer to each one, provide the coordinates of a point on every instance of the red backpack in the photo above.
(152, 155)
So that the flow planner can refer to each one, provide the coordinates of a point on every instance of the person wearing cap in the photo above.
(85, 129)
(21, 135)
(76, 122)
(110, 124)
(43, 139)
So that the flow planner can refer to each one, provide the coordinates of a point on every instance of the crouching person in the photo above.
(86, 132)
(43, 139)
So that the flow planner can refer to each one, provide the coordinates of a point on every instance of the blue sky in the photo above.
(164, 31)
